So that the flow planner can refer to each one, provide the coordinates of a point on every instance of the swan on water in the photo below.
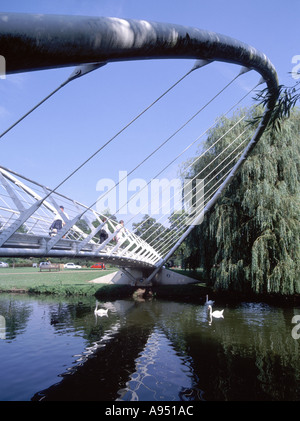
(218, 314)
(209, 302)
(101, 312)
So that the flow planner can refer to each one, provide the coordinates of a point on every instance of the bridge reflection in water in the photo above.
(167, 351)
(134, 360)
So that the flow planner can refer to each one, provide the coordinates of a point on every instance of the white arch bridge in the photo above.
(27, 208)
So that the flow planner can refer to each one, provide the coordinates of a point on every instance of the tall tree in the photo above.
(250, 240)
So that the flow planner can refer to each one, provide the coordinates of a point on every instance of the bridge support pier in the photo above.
(138, 277)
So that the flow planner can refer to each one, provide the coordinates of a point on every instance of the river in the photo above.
(153, 350)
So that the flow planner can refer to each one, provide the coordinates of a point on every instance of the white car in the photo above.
(3, 265)
(71, 266)
(44, 264)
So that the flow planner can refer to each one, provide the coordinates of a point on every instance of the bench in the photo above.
(49, 268)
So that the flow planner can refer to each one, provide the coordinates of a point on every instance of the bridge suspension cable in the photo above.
(163, 144)
(189, 166)
(79, 72)
(197, 158)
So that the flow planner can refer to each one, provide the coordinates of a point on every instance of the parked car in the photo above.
(71, 266)
(45, 264)
(98, 266)
(3, 265)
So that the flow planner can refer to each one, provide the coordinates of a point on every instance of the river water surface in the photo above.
(58, 349)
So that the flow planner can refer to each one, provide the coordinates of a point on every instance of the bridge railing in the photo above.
(80, 224)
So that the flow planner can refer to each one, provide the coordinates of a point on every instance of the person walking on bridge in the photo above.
(58, 222)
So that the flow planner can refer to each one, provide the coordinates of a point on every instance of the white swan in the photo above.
(208, 302)
(101, 312)
(218, 314)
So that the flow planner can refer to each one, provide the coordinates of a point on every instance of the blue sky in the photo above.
(74, 123)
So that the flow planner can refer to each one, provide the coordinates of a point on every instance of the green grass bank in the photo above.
(65, 282)
(77, 283)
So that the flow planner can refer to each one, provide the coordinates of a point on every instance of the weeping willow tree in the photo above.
(249, 242)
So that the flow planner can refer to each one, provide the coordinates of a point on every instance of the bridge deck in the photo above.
(24, 245)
